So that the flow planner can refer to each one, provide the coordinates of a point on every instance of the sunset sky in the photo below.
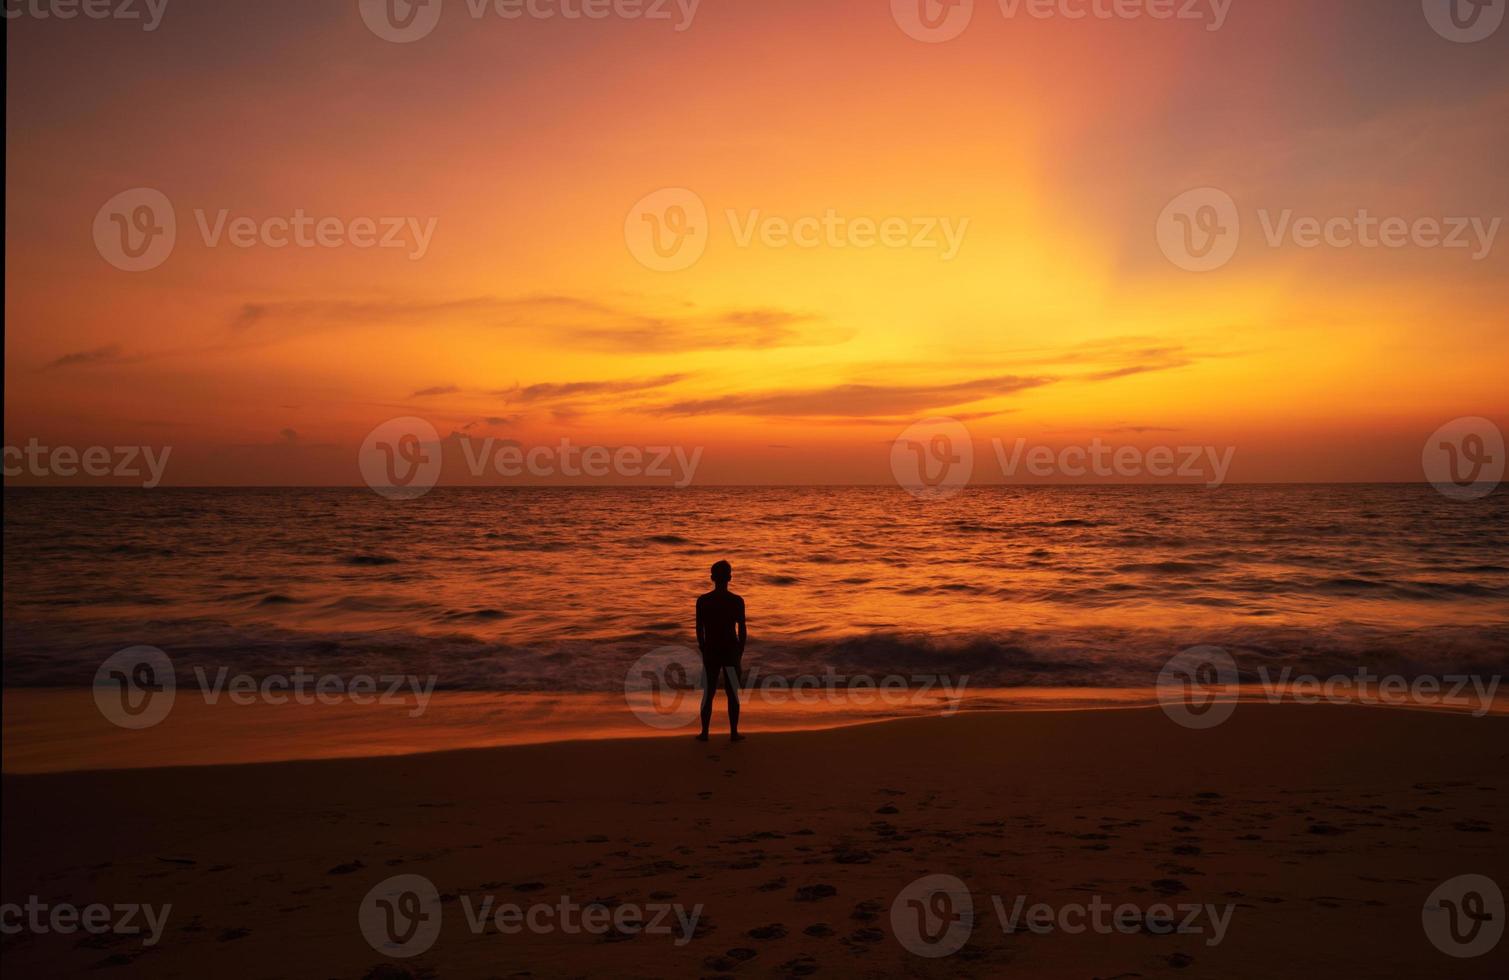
(529, 317)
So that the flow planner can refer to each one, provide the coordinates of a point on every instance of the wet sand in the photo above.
(58, 729)
(1323, 828)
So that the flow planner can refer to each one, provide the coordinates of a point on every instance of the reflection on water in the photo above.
(541, 589)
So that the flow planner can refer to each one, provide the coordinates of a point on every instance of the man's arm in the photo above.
(701, 628)
(743, 633)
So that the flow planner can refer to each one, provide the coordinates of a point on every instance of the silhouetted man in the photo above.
(720, 637)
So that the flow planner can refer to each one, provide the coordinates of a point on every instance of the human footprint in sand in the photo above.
(720, 637)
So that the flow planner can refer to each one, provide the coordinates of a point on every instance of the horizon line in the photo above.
(710, 486)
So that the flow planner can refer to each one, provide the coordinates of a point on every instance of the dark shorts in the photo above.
(717, 660)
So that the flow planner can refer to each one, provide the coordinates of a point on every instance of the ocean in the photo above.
(537, 589)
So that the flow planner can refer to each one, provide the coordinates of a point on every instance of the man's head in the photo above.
(722, 572)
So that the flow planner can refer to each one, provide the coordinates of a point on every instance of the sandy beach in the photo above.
(1296, 839)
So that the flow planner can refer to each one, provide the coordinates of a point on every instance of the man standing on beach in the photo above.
(720, 637)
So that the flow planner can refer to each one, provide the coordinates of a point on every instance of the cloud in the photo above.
(856, 401)
(437, 390)
(588, 323)
(1131, 369)
(289, 435)
(575, 389)
(100, 355)
(1111, 357)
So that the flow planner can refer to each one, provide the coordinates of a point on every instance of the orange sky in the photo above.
(1052, 144)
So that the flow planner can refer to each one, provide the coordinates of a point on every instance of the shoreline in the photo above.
(48, 730)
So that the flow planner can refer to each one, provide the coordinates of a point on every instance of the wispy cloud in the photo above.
(855, 401)
(588, 323)
(552, 391)
(109, 354)
(1128, 370)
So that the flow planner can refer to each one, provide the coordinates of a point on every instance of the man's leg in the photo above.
(709, 685)
(731, 690)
